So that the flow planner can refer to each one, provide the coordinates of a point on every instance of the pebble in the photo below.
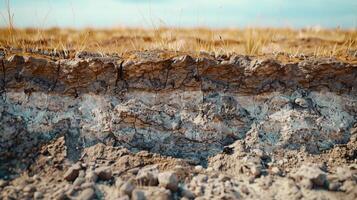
(301, 102)
(244, 189)
(255, 170)
(200, 178)
(119, 182)
(258, 152)
(209, 169)
(125, 197)
(87, 194)
(348, 186)
(134, 170)
(29, 188)
(72, 173)
(138, 195)
(147, 178)
(36, 177)
(199, 191)
(127, 188)
(60, 195)
(91, 176)
(334, 186)
(222, 177)
(275, 171)
(87, 185)
(78, 182)
(306, 183)
(81, 173)
(310, 174)
(38, 195)
(168, 180)
(3, 183)
(151, 193)
(104, 173)
(188, 194)
(198, 168)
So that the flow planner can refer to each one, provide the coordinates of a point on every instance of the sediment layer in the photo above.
(181, 106)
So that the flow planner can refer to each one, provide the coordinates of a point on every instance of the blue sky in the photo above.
(182, 13)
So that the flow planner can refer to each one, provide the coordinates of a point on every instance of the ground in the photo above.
(178, 114)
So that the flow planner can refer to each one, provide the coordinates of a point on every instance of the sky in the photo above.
(182, 13)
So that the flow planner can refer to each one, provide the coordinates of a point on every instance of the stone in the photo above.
(198, 168)
(88, 185)
(3, 183)
(348, 186)
(301, 102)
(275, 171)
(60, 195)
(37, 195)
(87, 194)
(200, 178)
(260, 153)
(81, 173)
(36, 177)
(91, 176)
(71, 190)
(334, 186)
(104, 173)
(127, 188)
(29, 188)
(310, 173)
(188, 194)
(344, 173)
(147, 178)
(125, 197)
(72, 172)
(244, 189)
(168, 180)
(119, 182)
(134, 170)
(151, 193)
(78, 182)
(306, 183)
(138, 195)
(255, 170)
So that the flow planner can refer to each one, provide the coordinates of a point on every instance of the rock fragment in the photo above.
(301, 102)
(3, 183)
(148, 176)
(151, 193)
(38, 195)
(104, 173)
(72, 173)
(29, 188)
(91, 176)
(168, 180)
(275, 171)
(127, 188)
(78, 182)
(310, 176)
(87, 194)
(187, 193)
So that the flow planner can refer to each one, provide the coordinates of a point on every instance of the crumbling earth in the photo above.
(157, 125)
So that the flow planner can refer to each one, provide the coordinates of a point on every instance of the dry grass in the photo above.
(251, 41)
(337, 43)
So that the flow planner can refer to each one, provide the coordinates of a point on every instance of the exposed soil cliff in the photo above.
(255, 124)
